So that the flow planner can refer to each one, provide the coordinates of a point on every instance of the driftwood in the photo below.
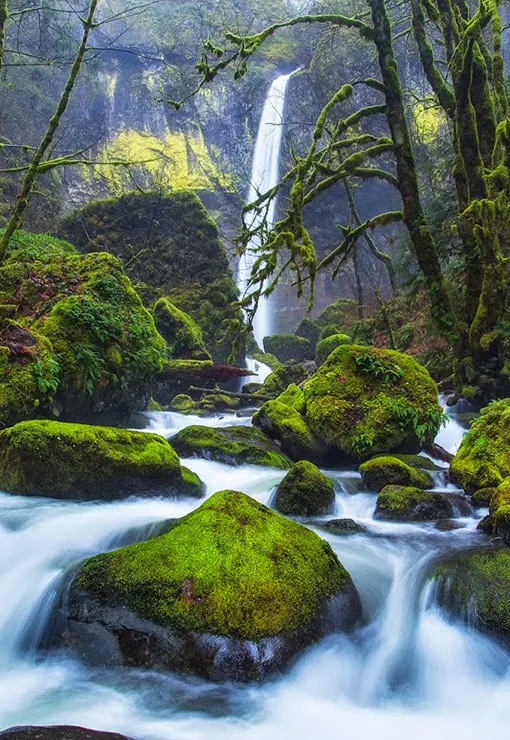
(233, 394)
(176, 370)
(439, 453)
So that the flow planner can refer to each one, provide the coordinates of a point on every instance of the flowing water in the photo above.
(407, 670)
(264, 176)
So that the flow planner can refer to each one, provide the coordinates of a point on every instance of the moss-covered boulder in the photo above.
(234, 590)
(365, 401)
(304, 491)
(78, 461)
(182, 254)
(237, 445)
(326, 346)
(284, 423)
(475, 587)
(483, 458)
(181, 332)
(408, 504)
(331, 330)
(284, 375)
(288, 348)
(386, 470)
(88, 343)
(309, 329)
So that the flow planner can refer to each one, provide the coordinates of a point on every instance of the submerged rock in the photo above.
(475, 587)
(483, 458)
(384, 471)
(365, 401)
(237, 445)
(78, 461)
(408, 504)
(233, 591)
(58, 732)
(304, 491)
(342, 527)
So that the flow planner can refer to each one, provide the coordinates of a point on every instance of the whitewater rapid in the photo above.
(407, 671)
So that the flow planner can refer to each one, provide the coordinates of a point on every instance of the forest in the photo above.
(254, 369)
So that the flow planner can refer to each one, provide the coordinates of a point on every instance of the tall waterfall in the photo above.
(264, 176)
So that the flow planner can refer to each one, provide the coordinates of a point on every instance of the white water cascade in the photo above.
(264, 176)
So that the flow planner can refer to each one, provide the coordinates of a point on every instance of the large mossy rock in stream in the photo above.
(78, 461)
(288, 348)
(75, 336)
(169, 244)
(304, 491)
(475, 587)
(365, 401)
(408, 504)
(236, 445)
(483, 458)
(233, 591)
(180, 331)
(387, 470)
(58, 732)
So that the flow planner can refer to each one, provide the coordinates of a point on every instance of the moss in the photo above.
(184, 404)
(309, 329)
(384, 471)
(219, 402)
(231, 445)
(329, 330)
(267, 359)
(304, 491)
(476, 588)
(483, 460)
(483, 496)
(170, 246)
(419, 461)
(406, 503)
(327, 344)
(364, 401)
(232, 567)
(294, 397)
(288, 348)
(343, 313)
(51, 458)
(501, 523)
(501, 495)
(282, 377)
(181, 333)
(285, 424)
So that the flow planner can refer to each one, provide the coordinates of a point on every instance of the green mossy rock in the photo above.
(309, 329)
(183, 257)
(184, 404)
(331, 330)
(501, 523)
(288, 348)
(94, 347)
(326, 346)
(182, 334)
(501, 495)
(232, 569)
(420, 461)
(475, 587)
(294, 397)
(408, 504)
(483, 496)
(78, 461)
(304, 491)
(365, 401)
(385, 471)
(267, 359)
(282, 377)
(483, 459)
(284, 423)
(237, 445)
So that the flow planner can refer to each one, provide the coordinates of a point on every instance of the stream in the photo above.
(407, 671)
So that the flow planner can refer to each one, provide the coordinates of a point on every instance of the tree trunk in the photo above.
(4, 15)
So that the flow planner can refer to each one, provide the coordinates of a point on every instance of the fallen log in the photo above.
(233, 394)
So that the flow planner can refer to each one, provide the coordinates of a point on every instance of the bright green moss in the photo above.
(476, 588)
(282, 422)
(304, 491)
(406, 503)
(501, 495)
(288, 347)
(310, 330)
(282, 377)
(364, 401)
(483, 459)
(182, 334)
(294, 397)
(330, 330)
(327, 344)
(51, 458)
(231, 445)
(384, 471)
(232, 567)
(267, 359)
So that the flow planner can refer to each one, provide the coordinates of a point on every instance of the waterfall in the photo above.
(264, 176)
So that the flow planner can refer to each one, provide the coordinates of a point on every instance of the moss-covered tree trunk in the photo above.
(414, 218)
(4, 15)
(32, 173)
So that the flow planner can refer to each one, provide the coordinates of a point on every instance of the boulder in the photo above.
(379, 472)
(342, 527)
(304, 491)
(309, 329)
(288, 348)
(78, 461)
(408, 504)
(483, 458)
(237, 445)
(233, 591)
(279, 380)
(327, 344)
(475, 587)
(282, 422)
(181, 332)
(58, 732)
(364, 401)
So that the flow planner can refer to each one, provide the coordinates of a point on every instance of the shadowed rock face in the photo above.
(58, 732)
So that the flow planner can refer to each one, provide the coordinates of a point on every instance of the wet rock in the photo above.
(343, 527)
(407, 504)
(384, 471)
(58, 732)
(234, 591)
(288, 348)
(304, 491)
